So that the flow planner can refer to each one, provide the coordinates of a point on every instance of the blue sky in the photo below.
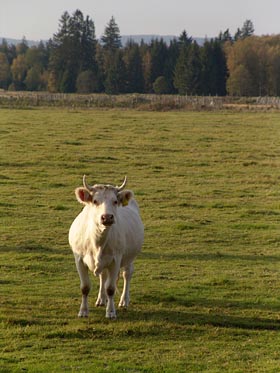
(37, 19)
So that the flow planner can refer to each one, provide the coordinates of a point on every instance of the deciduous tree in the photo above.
(19, 71)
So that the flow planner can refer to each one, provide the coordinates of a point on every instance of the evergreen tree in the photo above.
(22, 47)
(9, 50)
(188, 70)
(88, 46)
(181, 71)
(194, 70)
(171, 59)
(247, 29)
(115, 81)
(214, 68)
(67, 82)
(114, 66)
(225, 36)
(158, 58)
(238, 34)
(111, 40)
(134, 74)
(184, 39)
(5, 71)
(73, 50)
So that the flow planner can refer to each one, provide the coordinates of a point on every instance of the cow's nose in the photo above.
(107, 219)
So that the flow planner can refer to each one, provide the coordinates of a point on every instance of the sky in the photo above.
(39, 20)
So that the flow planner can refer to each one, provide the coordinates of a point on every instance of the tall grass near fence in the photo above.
(206, 289)
(151, 102)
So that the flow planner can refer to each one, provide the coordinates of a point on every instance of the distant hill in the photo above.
(124, 39)
(30, 43)
(148, 38)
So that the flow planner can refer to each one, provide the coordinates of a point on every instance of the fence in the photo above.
(137, 101)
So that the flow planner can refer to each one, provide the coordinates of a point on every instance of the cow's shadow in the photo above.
(196, 318)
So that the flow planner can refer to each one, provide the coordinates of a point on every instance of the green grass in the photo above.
(206, 289)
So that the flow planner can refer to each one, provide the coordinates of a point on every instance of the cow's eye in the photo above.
(115, 202)
(95, 202)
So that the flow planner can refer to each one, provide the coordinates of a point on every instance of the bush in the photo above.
(160, 85)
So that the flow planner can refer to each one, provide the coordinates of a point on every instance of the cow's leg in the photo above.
(127, 274)
(101, 299)
(110, 286)
(85, 285)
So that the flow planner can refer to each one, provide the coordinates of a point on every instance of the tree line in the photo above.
(74, 61)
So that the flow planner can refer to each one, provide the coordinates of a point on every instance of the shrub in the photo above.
(160, 85)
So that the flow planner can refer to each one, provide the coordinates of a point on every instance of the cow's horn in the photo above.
(123, 184)
(86, 185)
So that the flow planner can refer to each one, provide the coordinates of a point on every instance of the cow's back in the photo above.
(129, 219)
(81, 233)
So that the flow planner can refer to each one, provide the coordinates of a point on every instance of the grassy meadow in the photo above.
(205, 296)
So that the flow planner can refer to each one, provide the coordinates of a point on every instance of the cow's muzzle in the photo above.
(107, 219)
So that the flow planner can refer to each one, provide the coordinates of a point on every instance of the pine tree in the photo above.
(194, 70)
(9, 50)
(238, 34)
(247, 29)
(73, 50)
(88, 46)
(172, 56)
(188, 70)
(114, 66)
(158, 58)
(181, 71)
(214, 68)
(134, 74)
(111, 40)
(184, 39)
(225, 36)
(115, 81)
(5, 72)
(22, 47)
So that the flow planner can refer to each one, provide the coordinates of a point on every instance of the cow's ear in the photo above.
(83, 195)
(124, 196)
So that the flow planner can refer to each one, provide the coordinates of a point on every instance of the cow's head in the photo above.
(104, 200)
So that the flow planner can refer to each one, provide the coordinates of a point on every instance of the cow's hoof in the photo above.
(83, 313)
(100, 303)
(111, 315)
(123, 304)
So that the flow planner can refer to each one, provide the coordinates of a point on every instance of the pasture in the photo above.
(205, 296)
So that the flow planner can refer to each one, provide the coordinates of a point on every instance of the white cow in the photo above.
(105, 237)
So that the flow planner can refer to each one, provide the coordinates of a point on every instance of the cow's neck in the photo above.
(102, 236)
(101, 258)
